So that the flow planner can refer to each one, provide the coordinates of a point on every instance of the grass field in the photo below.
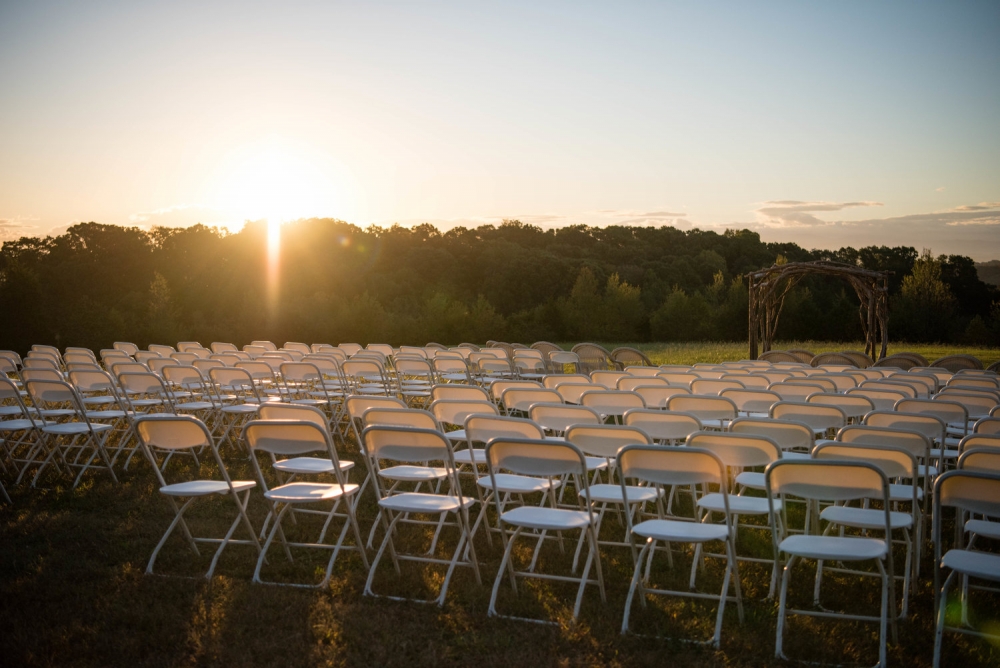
(73, 593)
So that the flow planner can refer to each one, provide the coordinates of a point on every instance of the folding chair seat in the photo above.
(551, 460)
(558, 417)
(611, 403)
(821, 418)
(657, 396)
(657, 468)
(665, 428)
(295, 439)
(458, 391)
(751, 402)
(166, 434)
(560, 359)
(974, 492)
(714, 412)
(402, 446)
(74, 443)
(815, 481)
(897, 464)
(518, 400)
(854, 407)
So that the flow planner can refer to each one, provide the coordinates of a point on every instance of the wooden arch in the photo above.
(769, 287)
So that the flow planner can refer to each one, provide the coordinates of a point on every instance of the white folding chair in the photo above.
(543, 459)
(656, 468)
(164, 434)
(294, 439)
(418, 446)
(815, 481)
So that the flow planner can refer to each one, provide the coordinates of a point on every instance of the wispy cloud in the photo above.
(16, 227)
(982, 206)
(795, 213)
(181, 215)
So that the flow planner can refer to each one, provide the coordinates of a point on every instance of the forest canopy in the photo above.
(335, 282)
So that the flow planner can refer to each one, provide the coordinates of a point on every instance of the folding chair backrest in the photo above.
(405, 444)
(383, 348)
(187, 377)
(611, 401)
(852, 405)
(608, 379)
(125, 347)
(947, 411)
(47, 392)
(662, 425)
(827, 481)
(457, 391)
(912, 441)
(990, 425)
(219, 347)
(288, 438)
(400, 417)
(357, 404)
(92, 381)
(499, 387)
(787, 434)
(560, 417)
(657, 395)
(752, 401)
(457, 411)
(680, 379)
(705, 408)
(903, 388)
(894, 462)
(629, 383)
(41, 373)
(537, 457)
(795, 391)
(714, 387)
(77, 358)
(749, 381)
(817, 416)
(118, 368)
(672, 466)
(979, 405)
(981, 459)
(975, 382)
(158, 364)
(814, 380)
(737, 450)
(172, 432)
(881, 399)
(980, 441)
(142, 383)
(165, 351)
(972, 491)
(280, 411)
(605, 440)
(555, 380)
(484, 428)
(930, 426)
(842, 381)
(642, 371)
(204, 365)
(40, 362)
(521, 398)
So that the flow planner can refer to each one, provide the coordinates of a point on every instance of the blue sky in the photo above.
(828, 124)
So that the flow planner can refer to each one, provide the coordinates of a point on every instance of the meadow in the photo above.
(73, 592)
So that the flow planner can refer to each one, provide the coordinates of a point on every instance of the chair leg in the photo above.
(504, 564)
(782, 596)
(941, 610)
(178, 519)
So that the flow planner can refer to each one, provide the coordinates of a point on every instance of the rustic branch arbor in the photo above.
(769, 287)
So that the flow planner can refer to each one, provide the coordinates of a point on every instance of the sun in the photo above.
(277, 179)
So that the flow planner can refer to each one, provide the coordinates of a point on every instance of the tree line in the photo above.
(96, 283)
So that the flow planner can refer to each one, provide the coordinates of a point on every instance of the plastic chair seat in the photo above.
(106, 415)
(98, 401)
(947, 453)
(309, 465)
(738, 505)
(19, 425)
(553, 519)
(471, 456)
(977, 564)
(205, 487)
(195, 406)
(865, 518)
(418, 502)
(674, 530)
(409, 473)
(517, 484)
(834, 547)
(308, 492)
(902, 493)
(241, 409)
(72, 428)
(605, 493)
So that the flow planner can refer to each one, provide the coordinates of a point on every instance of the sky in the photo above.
(823, 123)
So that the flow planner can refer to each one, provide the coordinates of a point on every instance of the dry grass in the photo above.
(73, 592)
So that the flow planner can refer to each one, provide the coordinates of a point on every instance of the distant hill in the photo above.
(989, 272)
